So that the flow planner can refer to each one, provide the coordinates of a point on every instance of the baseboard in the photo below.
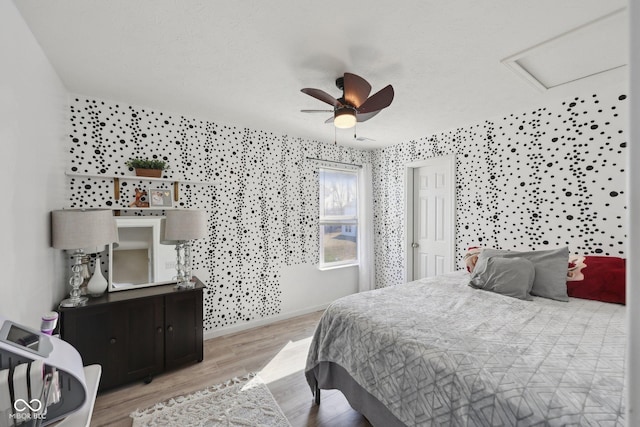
(232, 329)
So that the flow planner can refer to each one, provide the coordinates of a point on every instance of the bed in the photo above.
(439, 352)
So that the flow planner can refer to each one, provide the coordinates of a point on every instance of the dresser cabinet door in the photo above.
(183, 325)
(144, 326)
(99, 335)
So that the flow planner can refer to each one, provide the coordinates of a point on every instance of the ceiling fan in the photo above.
(355, 105)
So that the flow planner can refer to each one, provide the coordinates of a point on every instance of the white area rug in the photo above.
(238, 402)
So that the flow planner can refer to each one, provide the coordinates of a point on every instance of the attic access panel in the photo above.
(593, 48)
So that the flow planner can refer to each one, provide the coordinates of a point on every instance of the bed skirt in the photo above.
(328, 375)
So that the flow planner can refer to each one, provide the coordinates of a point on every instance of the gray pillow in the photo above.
(512, 277)
(551, 270)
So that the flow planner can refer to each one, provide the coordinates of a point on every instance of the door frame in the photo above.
(450, 161)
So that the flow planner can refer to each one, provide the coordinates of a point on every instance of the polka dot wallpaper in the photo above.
(262, 208)
(542, 178)
(548, 177)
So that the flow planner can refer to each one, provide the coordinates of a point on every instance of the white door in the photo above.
(434, 218)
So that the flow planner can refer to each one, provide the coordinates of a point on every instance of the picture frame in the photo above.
(160, 197)
(141, 198)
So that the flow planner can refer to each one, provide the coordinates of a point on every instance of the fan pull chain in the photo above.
(335, 136)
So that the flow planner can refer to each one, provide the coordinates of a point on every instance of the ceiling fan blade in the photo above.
(377, 101)
(356, 89)
(322, 96)
(363, 117)
(316, 111)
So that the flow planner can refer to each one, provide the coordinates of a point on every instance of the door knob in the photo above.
(414, 245)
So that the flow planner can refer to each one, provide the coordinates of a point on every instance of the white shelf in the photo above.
(116, 184)
(136, 178)
(173, 208)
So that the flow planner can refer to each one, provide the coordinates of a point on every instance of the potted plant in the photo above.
(145, 167)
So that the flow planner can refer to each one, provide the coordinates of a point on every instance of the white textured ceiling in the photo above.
(243, 63)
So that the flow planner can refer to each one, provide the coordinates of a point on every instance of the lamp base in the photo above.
(74, 302)
(187, 284)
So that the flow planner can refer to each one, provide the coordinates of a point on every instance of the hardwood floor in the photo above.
(278, 351)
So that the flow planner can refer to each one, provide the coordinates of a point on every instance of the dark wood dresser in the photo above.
(136, 334)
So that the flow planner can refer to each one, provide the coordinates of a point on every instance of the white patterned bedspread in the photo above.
(438, 352)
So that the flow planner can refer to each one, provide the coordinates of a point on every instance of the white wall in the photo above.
(633, 272)
(305, 286)
(33, 110)
(304, 289)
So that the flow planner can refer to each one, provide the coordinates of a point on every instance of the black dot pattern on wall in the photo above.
(544, 178)
(262, 211)
(548, 177)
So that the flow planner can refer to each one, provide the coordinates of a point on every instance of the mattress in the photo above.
(438, 352)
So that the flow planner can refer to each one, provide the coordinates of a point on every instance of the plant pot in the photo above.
(152, 173)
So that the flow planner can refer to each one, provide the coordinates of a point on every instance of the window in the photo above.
(338, 217)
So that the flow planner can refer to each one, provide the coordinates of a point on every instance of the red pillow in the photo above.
(600, 278)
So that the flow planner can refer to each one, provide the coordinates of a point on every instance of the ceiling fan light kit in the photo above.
(344, 118)
(355, 105)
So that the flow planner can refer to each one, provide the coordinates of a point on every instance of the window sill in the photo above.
(336, 267)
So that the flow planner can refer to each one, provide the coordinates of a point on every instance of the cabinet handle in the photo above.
(159, 329)
(170, 328)
(112, 340)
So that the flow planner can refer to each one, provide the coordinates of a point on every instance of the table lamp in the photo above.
(76, 229)
(180, 227)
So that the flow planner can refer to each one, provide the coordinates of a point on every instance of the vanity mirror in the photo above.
(139, 260)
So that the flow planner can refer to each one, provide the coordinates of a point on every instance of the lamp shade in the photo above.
(184, 224)
(78, 228)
